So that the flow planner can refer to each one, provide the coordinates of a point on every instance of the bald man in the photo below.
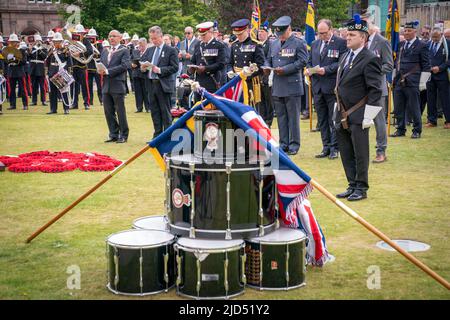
(117, 62)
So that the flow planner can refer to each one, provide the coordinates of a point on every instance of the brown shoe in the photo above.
(447, 125)
(380, 158)
(430, 125)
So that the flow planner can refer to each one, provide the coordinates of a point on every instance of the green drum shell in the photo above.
(212, 274)
(129, 269)
(273, 264)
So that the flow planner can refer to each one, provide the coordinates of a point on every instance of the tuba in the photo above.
(75, 46)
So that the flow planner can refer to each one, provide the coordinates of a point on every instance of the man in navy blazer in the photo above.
(117, 61)
(439, 84)
(161, 69)
(325, 53)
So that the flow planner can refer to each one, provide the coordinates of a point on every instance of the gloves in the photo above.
(370, 112)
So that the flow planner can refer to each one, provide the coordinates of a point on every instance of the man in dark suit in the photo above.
(209, 59)
(287, 57)
(117, 62)
(139, 78)
(439, 85)
(381, 47)
(187, 48)
(358, 93)
(413, 60)
(325, 53)
(161, 61)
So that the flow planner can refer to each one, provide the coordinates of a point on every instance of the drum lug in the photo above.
(260, 267)
(179, 259)
(167, 178)
(141, 281)
(192, 171)
(243, 261)
(199, 276)
(225, 281)
(166, 274)
(116, 266)
(228, 170)
(228, 235)
(261, 231)
(261, 185)
(287, 265)
(192, 232)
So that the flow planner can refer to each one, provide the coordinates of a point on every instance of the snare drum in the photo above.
(152, 223)
(210, 269)
(219, 201)
(62, 80)
(216, 138)
(140, 262)
(276, 261)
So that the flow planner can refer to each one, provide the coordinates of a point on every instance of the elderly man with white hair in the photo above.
(187, 48)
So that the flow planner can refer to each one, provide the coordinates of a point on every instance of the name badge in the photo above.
(211, 52)
(248, 48)
(334, 54)
(286, 53)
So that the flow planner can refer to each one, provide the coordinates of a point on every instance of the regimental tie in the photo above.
(349, 63)
(324, 48)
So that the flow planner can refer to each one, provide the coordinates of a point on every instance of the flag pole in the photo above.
(87, 193)
(380, 235)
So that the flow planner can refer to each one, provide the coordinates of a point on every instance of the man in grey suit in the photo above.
(187, 48)
(287, 56)
(117, 63)
(381, 48)
(161, 61)
(325, 53)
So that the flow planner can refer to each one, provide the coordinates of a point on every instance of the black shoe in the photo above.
(292, 152)
(345, 194)
(357, 195)
(11, 108)
(121, 140)
(285, 149)
(25, 108)
(315, 130)
(66, 111)
(73, 108)
(415, 135)
(33, 104)
(51, 112)
(111, 140)
(397, 134)
(86, 107)
(137, 111)
(333, 155)
(323, 154)
(44, 104)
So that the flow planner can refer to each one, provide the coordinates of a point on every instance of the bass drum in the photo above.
(210, 269)
(140, 262)
(276, 261)
(220, 201)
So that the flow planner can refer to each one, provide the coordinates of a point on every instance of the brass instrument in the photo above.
(76, 48)
(11, 52)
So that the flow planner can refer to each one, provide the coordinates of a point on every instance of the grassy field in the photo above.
(409, 198)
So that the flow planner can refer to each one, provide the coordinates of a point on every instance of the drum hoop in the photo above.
(276, 243)
(219, 169)
(178, 246)
(109, 287)
(151, 246)
(210, 113)
(213, 231)
(277, 289)
(211, 298)
(153, 217)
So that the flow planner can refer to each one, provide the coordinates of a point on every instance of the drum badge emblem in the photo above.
(179, 198)
(274, 265)
(212, 136)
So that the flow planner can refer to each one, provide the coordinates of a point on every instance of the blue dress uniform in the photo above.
(412, 60)
(79, 71)
(93, 74)
(291, 57)
(326, 55)
(242, 55)
(211, 55)
(439, 85)
(37, 72)
(16, 77)
(53, 68)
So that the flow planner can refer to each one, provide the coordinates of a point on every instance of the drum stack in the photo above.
(221, 231)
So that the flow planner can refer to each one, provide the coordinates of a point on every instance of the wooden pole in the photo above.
(389, 110)
(86, 194)
(380, 235)
(310, 104)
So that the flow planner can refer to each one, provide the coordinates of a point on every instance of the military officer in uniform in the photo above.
(413, 59)
(358, 94)
(37, 56)
(266, 105)
(16, 72)
(325, 53)
(244, 52)
(208, 60)
(287, 57)
(92, 69)
(58, 58)
(79, 68)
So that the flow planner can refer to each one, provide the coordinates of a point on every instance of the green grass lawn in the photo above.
(409, 198)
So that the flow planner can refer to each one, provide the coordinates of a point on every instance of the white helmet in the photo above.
(135, 37)
(58, 37)
(105, 44)
(125, 36)
(1, 39)
(92, 33)
(13, 37)
(79, 29)
(23, 45)
(51, 34)
(37, 37)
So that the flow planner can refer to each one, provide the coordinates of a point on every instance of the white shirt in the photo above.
(409, 43)
(355, 53)
(369, 43)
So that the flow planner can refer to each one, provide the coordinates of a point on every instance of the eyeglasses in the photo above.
(188, 33)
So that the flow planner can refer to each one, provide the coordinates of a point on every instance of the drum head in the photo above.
(139, 238)
(151, 223)
(203, 244)
(282, 236)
